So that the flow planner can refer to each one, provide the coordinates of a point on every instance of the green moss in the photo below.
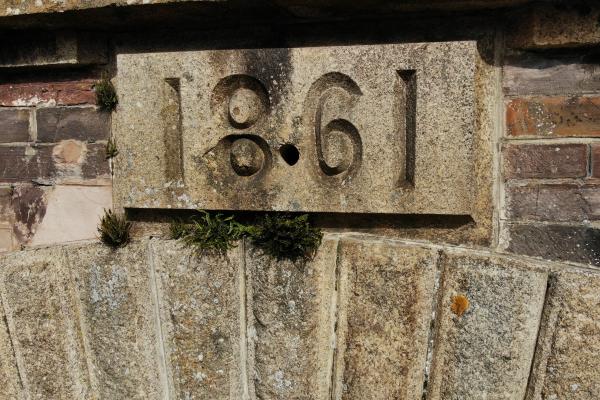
(106, 95)
(210, 231)
(111, 149)
(114, 229)
(286, 237)
(281, 236)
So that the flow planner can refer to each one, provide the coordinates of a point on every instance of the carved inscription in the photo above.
(386, 129)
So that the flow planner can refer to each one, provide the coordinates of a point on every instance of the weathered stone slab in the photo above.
(486, 327)
(55, 49)
(41, 310)
(291, 316)
(387, 293)
(117, 309)
(555, 27)
(202, 308)
(332, 129)
(567, 363)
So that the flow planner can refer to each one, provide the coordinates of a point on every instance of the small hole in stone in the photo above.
(289, 153)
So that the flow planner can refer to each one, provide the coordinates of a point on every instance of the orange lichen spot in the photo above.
(460, 304)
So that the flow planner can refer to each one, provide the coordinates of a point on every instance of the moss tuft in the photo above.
(286, 237)
(111, 149)
(106, 95)
(114, 229)
(210, 231)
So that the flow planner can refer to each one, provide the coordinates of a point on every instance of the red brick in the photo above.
(54, 93)
(545, 161)
(553, 202)
(14, 125)
(81, 123)
(596, 160)
(554, 116)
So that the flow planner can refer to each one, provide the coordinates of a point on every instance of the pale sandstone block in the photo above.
(10, 382)
(333, 129)
(117, 310)
(202, 309)
(41, 310)
(72, 214)
(567, 361)
(387, 293)
(291, 324)
(486, 327)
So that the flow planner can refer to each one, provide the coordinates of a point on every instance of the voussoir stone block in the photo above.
(386, 295)
(373, 128)
(291, 324)
(486, 327)
(117, 309)
(42, 314)
(202, 310)
(567, 362)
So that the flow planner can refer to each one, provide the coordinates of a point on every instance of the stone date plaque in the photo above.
(361, 129)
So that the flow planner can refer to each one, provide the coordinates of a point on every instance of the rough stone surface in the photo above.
(545, 161)
(555, 242)
(10, 381)
(567, 362)
(367, 318)
(202, 300)
(349, 111)
(556, 27)
(60, 123)
(554, 116)
(485, 350)
(53, 93)
(37, 294)
(553, 203)
(14, 125)
(117, 310)
(386, 297)
(291, 324)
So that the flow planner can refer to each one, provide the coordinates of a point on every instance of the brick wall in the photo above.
(551, 158)
(54, 178)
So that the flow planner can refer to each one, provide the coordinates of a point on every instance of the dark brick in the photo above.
(61, 123)
(96, 165)
(554, 116)
(23, 163)
(556, 242)
(14, 125)
(65, 93)
(530, 73)
(558, 202)
(545, 161)
(596, 161)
